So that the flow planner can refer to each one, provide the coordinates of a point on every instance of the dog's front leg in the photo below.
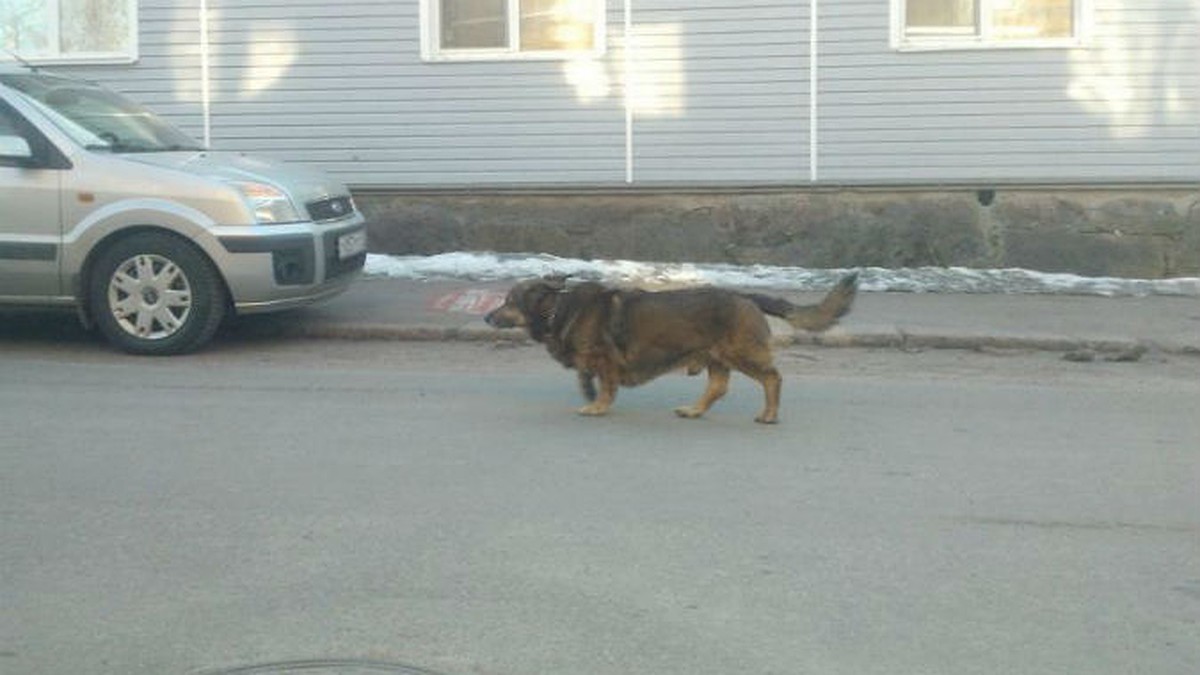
(587, 384)
(604, 398)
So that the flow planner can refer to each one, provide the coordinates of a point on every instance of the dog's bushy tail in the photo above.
(816, 317)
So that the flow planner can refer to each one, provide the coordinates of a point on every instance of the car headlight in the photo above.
(269, 204)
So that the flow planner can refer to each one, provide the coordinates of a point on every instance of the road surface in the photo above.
(440, 505)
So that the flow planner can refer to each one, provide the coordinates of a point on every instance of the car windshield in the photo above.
(100, 119)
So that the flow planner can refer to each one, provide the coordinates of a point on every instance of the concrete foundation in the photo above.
(1144, 232)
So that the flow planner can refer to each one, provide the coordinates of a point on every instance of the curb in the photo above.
(1072, 349)
(901, 340)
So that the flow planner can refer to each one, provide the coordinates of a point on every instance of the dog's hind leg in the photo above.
(772, 383)
(718, 384)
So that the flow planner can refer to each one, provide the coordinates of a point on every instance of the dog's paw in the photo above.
(593, 410)
(689, 412)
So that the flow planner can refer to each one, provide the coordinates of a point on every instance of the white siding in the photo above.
(728, 99)
(1125, 107)
(342, 85)
(167, 74)
(721, 97)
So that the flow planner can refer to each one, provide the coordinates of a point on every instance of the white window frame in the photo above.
(58, 57)
(432, 51)
(981, 37)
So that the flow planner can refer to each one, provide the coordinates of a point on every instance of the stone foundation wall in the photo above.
(1146, 232)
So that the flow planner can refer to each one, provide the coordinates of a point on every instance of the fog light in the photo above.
(293, 267)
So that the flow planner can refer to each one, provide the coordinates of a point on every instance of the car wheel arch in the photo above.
(82, 283)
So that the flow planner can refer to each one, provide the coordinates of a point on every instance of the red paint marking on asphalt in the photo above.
(478, 301)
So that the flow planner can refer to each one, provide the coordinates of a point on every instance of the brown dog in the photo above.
(628, 337)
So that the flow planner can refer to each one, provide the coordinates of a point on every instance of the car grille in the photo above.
(332, 208)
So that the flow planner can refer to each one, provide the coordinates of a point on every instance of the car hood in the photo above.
(303, 184)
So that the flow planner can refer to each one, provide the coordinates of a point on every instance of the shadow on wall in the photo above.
(1108, 83)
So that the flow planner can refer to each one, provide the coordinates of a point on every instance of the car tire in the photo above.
(155, 293)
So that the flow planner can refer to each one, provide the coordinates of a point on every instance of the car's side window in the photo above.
(44, 155)
(9, 126)
(7, 121)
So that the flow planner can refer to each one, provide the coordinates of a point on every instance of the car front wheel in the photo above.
(154, 293)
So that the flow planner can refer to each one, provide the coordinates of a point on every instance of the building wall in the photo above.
(720, 96)
(1125, 108)
(1143, 231)
(166, 76)
(343, 86)
(721, 91)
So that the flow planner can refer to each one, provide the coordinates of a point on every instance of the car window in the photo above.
(100, 119)
(8, 125)
(79, 133)
(45, 154)
(11, 125)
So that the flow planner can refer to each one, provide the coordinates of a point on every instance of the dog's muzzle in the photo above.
(502, 317)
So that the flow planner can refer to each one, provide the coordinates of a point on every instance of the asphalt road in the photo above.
(439, 505)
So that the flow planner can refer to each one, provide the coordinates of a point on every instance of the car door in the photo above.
(30, 221)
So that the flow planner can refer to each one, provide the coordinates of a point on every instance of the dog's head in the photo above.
(529, 305)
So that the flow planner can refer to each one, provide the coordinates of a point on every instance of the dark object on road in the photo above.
(628, 337)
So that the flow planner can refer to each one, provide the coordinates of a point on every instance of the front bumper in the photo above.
(285, 266)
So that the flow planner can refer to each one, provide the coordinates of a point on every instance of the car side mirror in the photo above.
(15, 147)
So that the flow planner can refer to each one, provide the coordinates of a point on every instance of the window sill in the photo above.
(975, 44)
(82, 60)
(489, 56)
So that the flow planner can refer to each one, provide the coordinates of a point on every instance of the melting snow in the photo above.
(500, 266)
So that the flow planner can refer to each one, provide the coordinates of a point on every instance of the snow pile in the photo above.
(503, 266)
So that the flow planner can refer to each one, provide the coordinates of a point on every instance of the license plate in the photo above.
(352, 244)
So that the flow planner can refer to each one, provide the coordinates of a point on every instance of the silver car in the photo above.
(106, 207)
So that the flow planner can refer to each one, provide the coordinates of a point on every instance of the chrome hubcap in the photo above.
(150, 297)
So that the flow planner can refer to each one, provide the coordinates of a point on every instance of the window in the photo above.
(43, 154)
(8, 121)
(956, 24)
(69, 30)
(9, 127)
(505, 29)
